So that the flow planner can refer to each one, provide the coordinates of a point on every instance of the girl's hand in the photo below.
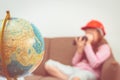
(80, 44)
(90, 38)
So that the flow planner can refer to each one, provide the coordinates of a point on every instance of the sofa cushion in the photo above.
(49, 78)
(33, 77)
(62, 50)
(36, 77)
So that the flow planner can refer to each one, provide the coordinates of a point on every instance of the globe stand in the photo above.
(4, 70)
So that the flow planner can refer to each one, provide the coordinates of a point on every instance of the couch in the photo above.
(62, 50)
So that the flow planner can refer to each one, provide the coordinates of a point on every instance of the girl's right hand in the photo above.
(80, 44)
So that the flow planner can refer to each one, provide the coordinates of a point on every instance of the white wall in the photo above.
(65, 17)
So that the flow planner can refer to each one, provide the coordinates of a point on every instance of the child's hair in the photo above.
(98, 44)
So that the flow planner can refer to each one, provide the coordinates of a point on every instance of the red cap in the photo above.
(94, 24)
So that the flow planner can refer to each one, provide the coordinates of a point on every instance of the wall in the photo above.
(57, 18)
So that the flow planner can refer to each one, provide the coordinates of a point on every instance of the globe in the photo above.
(22, 48)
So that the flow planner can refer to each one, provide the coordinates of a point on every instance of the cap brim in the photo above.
(85, 27)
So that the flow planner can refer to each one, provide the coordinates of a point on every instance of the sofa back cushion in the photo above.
(62, 49)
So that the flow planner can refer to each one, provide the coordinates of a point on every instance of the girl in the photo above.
(89, 56)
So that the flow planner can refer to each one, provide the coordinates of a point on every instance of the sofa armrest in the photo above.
(110, 70)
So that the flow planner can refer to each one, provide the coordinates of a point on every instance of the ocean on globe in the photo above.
(23, 47)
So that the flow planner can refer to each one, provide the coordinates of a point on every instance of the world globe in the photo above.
(22, 48)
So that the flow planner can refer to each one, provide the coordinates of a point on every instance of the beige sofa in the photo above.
(62, 49)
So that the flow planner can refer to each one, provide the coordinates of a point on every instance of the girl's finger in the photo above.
(80, 38)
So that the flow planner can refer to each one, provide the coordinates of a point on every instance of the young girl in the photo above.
(89, 56)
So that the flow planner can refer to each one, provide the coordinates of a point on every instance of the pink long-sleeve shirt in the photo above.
(93, 60)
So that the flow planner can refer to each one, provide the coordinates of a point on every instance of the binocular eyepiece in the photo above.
(83, 38)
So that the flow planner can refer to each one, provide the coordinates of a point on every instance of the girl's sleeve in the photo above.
(96, 59)
(77, 57)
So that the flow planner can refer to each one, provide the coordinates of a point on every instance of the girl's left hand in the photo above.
(90, 38)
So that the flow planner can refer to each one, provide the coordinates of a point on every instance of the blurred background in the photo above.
(56, 18)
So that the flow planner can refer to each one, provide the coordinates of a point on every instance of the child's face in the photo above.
(93, 34)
